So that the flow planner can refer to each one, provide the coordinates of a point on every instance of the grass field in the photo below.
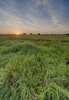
(34, 67)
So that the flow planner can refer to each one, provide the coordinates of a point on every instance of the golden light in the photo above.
(17, 33)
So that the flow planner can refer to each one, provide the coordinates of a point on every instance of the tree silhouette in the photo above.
(30, 33)
(24, 33)
(38, 33)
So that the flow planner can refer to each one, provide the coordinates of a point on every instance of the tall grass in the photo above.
(34, 71)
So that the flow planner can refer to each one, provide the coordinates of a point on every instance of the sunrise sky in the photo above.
(44, 16)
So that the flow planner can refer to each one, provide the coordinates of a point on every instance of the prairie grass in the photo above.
(34, 68)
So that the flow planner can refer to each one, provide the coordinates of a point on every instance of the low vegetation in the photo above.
(34, 67)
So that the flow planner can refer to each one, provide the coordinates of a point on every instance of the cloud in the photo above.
(56, 9)
(34, 15)
(15, 20)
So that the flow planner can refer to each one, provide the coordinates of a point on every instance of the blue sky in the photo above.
(44, 16)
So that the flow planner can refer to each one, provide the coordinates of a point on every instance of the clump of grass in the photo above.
(24, 79)
(54, 92)
(21, 76)
(11, 49)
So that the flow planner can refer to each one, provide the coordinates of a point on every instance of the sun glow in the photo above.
(17, 33)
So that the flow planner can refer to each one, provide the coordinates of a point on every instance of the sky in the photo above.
(34, 16)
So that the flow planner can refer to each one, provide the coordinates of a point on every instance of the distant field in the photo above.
(34, 67)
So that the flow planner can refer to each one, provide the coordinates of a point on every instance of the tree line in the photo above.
(31, 34)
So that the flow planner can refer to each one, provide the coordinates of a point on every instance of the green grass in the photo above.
(34, 67)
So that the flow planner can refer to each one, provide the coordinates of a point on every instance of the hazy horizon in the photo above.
(34, 16)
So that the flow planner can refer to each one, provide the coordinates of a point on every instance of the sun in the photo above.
(17, 33)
